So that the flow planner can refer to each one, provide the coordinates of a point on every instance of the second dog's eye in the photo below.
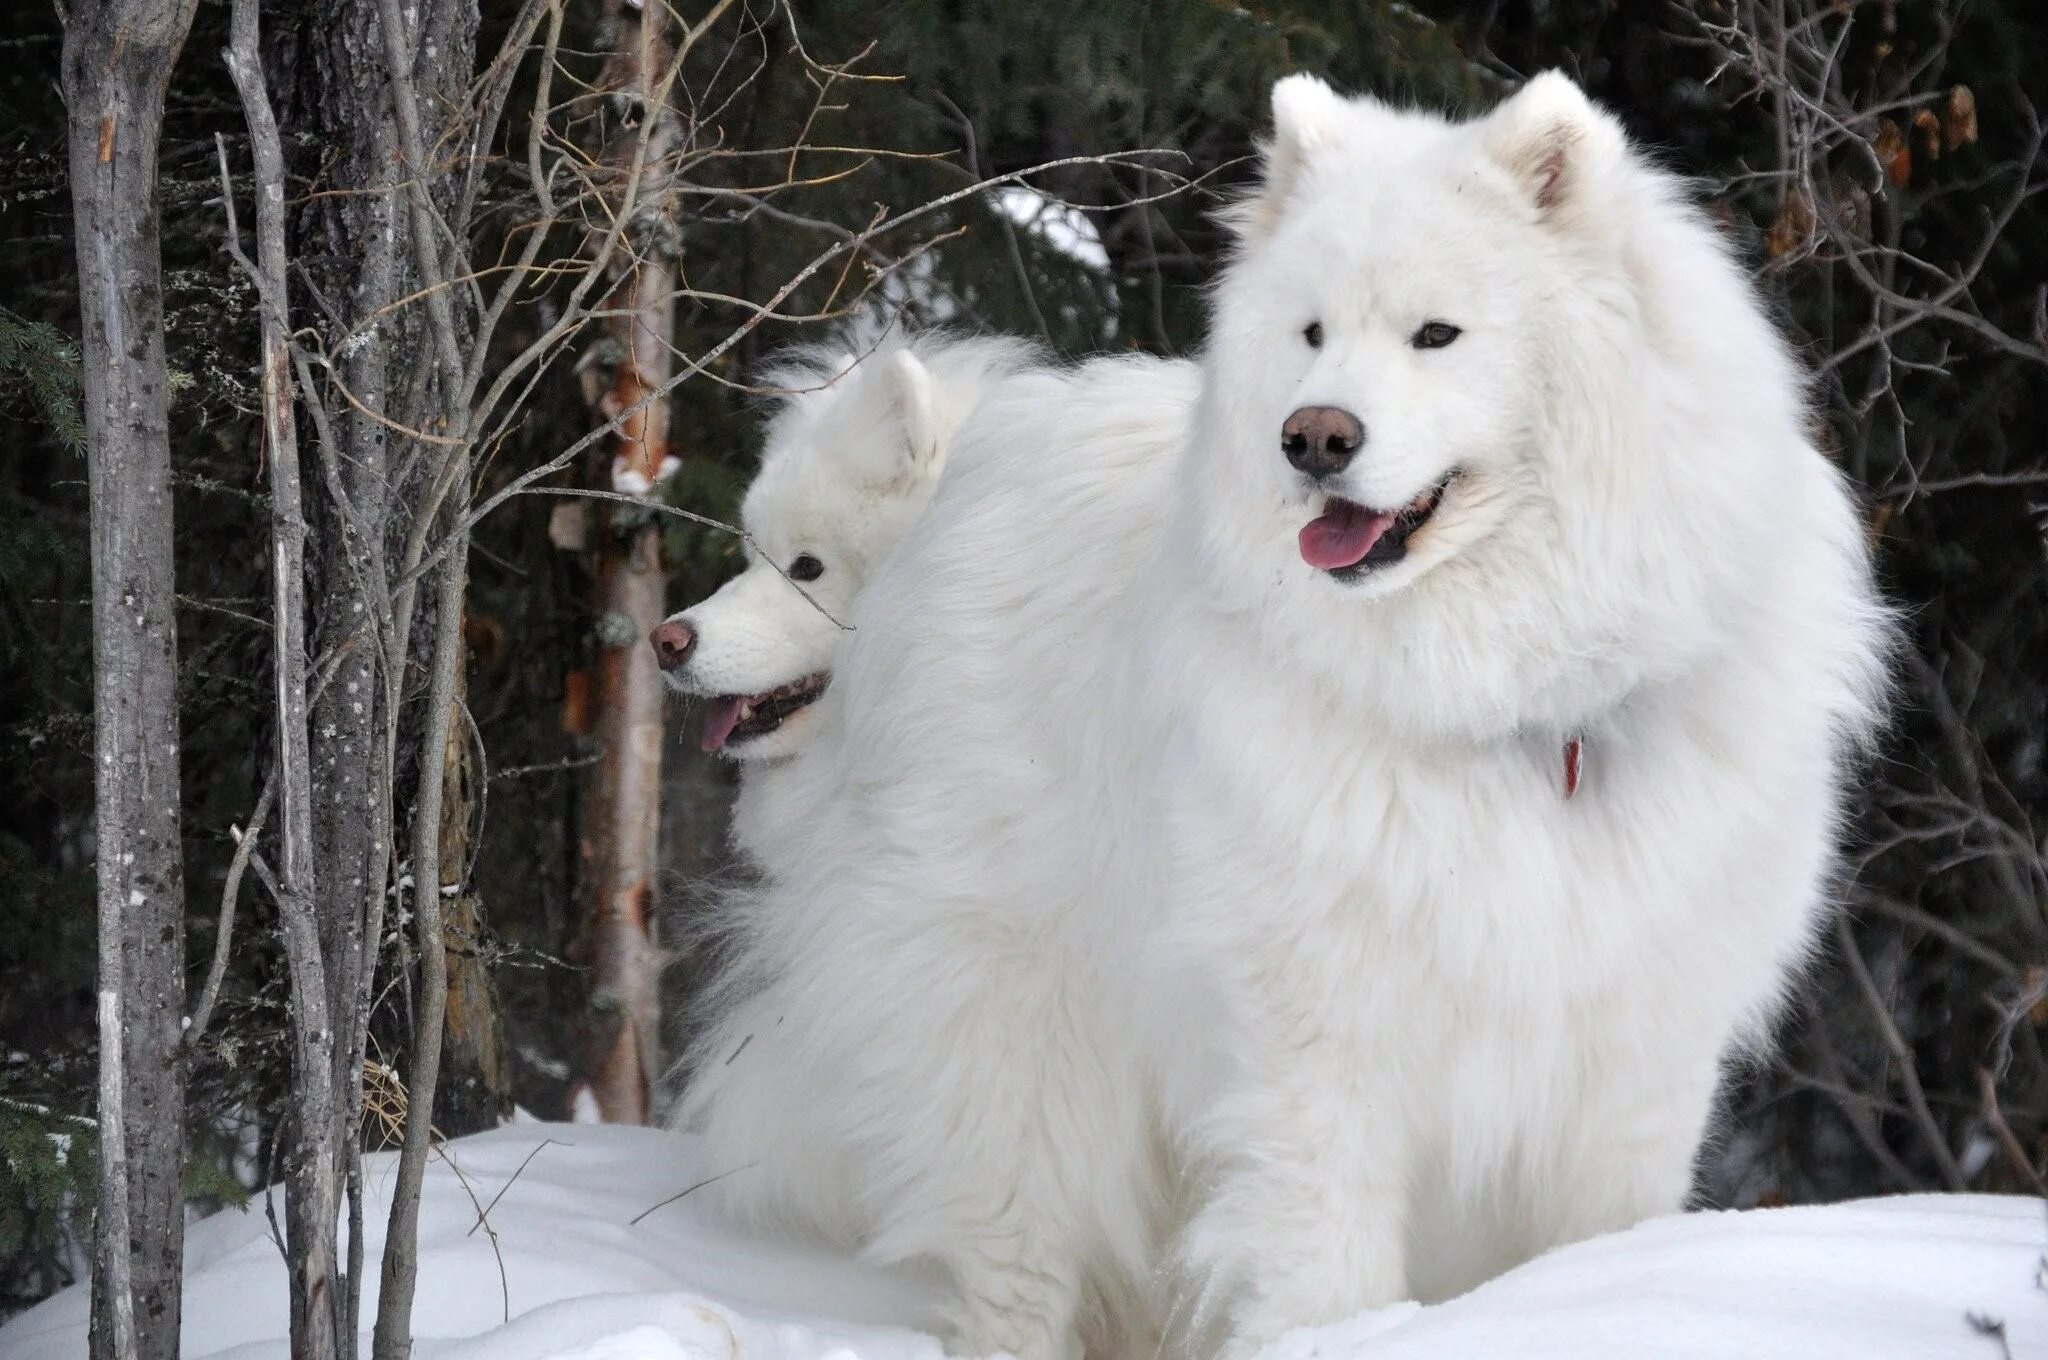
(806, 568)
(1434, 335)
(1313, 333)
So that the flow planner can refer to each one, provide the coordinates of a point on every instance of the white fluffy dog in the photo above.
(906, 1052)
(1410, 794)
(1520, 639)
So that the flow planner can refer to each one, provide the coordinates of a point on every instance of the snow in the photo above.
(628, 480)
(1062, 226)
(1898, 1278)
(573, 1276)
(580, 1278)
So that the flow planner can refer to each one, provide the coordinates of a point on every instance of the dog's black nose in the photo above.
(1321, 440)
(673, 642)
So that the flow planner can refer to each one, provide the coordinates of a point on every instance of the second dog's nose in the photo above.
(1321, 440)
(673, 642)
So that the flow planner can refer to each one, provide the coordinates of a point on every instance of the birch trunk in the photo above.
(620, 839)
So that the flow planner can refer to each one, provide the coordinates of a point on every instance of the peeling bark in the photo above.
(622, 1019)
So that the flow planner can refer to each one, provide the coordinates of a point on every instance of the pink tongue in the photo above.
(1342, 535)
(719, 720)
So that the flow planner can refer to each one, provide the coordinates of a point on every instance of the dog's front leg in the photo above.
(1627, 1151)
(1307, 1219)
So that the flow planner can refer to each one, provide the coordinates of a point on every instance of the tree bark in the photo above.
(117, 61)
(624, 812)
(313, 1172)
(476, 1078)
(350, 241)
(620, 840)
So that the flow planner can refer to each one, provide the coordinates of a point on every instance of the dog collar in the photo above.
(1574, 763)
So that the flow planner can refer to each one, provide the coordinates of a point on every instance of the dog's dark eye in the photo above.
(1313, 333)
(1434, 335)
(806, 568)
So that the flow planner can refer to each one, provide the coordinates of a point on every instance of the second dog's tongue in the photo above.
(1342, 535)
(719, 719)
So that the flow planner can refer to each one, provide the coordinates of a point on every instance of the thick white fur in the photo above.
(849, 461)
(1119, 805)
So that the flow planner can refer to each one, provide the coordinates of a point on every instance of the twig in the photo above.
(393, 1338)
(972, 141)
(1986, 1325)
(677, 512)
(546, 767)
(1949, 934)
(224, 930)
(483, 1217)
(1880, 1010)
(2008, 1141)
(519, 1171)
(689, 1190)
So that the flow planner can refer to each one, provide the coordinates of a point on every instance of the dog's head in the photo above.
(1491, 421)
(850, 460)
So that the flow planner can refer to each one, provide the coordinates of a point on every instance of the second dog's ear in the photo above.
(1308, 117)
(917, 402)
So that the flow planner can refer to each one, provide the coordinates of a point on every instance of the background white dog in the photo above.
(906, 1052)
(1411, 793)
(849, 461)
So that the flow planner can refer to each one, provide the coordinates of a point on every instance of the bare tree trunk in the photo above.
(440, 516)
(624, 1005)
(117, 60)
(350, 240)
(355, 242)
(393, 1339)
(623, 1015)
(313, 1189)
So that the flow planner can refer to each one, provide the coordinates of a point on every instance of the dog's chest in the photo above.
(1484, 865)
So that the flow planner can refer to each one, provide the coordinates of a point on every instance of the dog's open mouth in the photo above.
(1348, 539)
(730, 718)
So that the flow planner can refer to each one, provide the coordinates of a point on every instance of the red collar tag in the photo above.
(1574, 756)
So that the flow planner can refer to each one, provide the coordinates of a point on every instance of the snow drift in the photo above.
(587, 1254)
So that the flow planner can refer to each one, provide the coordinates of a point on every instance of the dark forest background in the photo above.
(1879, 161)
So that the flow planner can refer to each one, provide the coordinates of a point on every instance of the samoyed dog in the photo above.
(1519, 645)
(905, 1052)
(850, 460)
(1367, 831)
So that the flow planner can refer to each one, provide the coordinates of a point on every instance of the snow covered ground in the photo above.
(585, 1266)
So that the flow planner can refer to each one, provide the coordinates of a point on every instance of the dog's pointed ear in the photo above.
(917, 403)
(1553, 141)
(1307, 117)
